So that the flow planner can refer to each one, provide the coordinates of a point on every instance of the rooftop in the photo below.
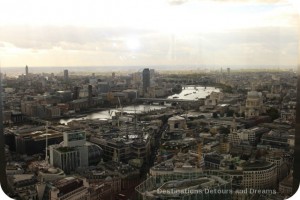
(176, 118)
(181, 161)
(257, 165)
(67, 184)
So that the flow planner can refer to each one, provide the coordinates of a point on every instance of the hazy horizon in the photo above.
(14, 71)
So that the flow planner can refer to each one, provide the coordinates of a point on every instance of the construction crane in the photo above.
(120, 106)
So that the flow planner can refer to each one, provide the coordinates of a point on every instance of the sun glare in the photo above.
(133, 43)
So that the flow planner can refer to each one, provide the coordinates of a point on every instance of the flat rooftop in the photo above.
(257, 165)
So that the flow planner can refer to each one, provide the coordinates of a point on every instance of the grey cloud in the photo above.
(76, 38)
(236, 45)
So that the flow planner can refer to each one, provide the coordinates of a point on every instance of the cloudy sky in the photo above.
(142, 32)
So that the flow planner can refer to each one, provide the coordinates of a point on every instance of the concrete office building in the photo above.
(74, 152)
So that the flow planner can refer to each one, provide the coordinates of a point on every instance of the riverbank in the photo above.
(195, 92)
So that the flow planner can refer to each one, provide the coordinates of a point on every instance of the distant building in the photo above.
(66, 75)
(64, 96)
(177, 123)
(152, 77)
(76, 92)
(254, 104)
(214, 99)
(103, 87)
(52, 112)
(146, 80)
(26, 70)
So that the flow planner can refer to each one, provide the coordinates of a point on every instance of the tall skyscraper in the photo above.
(66, 75)
(146, 79)
(26, 70)
(228, 71)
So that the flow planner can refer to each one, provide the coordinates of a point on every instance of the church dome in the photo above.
(254, 94)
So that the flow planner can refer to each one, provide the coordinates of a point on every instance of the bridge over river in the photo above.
(169, 100)
(184, 103)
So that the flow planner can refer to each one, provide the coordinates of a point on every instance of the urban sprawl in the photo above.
(219, 134)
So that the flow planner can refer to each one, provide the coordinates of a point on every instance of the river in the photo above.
(188, 92)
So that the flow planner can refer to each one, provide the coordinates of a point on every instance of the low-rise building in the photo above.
(69, 188)
(259, 174)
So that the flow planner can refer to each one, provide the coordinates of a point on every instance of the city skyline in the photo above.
(174, 32)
